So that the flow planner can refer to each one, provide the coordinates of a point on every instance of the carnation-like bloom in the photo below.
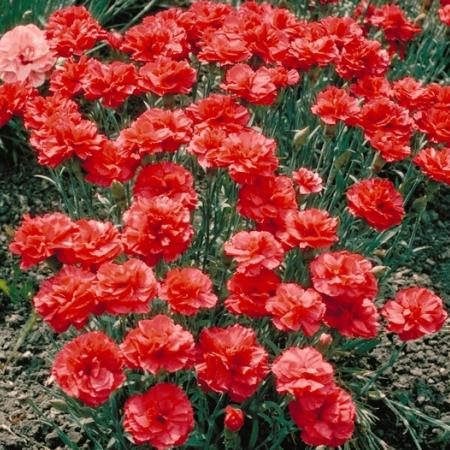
(310, 228)
(294, 308)
(110, 162)
(206, 145)
(67, 78)
(335, 104)
(254, 250)
(415, 312)
(162, 417)
(444, 14)
(434, 163)
(343, 274)
(93, 243)
(354, 318)
(330, 423)
(157, 130)
(113, 83)
(187, 290)
(377, 202)
(13, 99)
(360, 57)
(67, 299)
(25, 55)
(167, 76)
(256, 87)
(157, 228)
(89, 368)
(371, 87)
(229, 360)
(126, 288)
(267, 198)
(247, 155)
(158, 344)
(234, 418)
(38, 238)
(167, 179)
(248, 293)
(218, 111)
(299, 371)
(72, 31)
(307, 181)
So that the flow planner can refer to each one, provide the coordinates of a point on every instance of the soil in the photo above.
(420, 379)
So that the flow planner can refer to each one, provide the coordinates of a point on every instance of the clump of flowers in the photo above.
(223, 262)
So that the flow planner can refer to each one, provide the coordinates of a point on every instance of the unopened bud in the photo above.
(300, 137)
(325, 340)
(118, 192)
(379, 271)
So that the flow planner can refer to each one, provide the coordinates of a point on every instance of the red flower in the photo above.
(229, 360)
(341, 29)
(435, 163)
(157, 130)
(294, 308)
(92, 244)
(72, 31)
(391, 146)
(330, 424)
(409, 93)
(267, 198)
(377, 202)
(158, 344)
(38, 238)
(202, 16)
(234, 418)
(188, 290)
(360, 57)
(247, 155)
(343, 274)
(435, 122)
(156, 36)
(312, 47)
(67, 298)
(310, 228)
(384, 116)
(371, 87)
(126, 288)
(249, 293)
(254, 250)
(335, 104)
(394, 23)
(206, 145)
(415, 312)
(39, 110)
(256, 87)
(167, 76)
(444, 14)
(162, 417)
(113, 83)
(62, 137)
(300, 371)
(157, 228)
(166, 179)
(283, 77)
(13, 98)
(218, 111)
(67, 79)
(111, 162)
(308, 182)
(352, 318)
(223, 46)
(89, 368)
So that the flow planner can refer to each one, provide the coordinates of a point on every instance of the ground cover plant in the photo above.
(236, 180)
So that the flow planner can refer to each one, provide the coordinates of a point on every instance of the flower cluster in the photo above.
(252, 55)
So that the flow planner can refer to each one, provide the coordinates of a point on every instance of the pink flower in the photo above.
(25, 55)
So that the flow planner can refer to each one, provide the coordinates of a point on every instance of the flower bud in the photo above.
(324, 342)
(234, 418)
(300, 137)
